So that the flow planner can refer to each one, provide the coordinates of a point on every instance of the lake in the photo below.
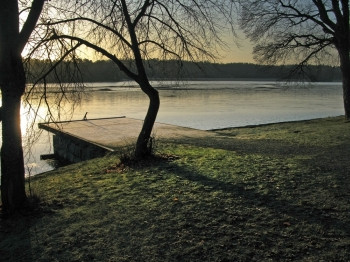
(202, 105)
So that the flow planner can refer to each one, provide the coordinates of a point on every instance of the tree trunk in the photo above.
(345, 69)
(12, 165)
(346, 93)
(12, 81)
(142, 145)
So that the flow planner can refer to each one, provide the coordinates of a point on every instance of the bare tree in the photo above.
(14, 35)
(302, 32)
(20, 40)
(130, 32)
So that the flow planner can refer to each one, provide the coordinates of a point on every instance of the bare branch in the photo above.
(98, 24)
(30, 23)
(162, 47)
(100, 50)
(291, 31)
(144, 7)
(324, 15)
(52, 68)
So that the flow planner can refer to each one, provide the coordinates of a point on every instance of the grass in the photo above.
(277, 192)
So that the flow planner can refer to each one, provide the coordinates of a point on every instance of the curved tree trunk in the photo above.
(142, 145)
(142, 149)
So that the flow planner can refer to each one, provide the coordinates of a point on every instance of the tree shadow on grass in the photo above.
(334, 159)
(302, 213)
(332, 168)
(252, 146)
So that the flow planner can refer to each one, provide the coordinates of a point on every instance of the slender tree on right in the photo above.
(301, 32)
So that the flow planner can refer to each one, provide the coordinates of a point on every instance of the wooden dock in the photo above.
(80, 140)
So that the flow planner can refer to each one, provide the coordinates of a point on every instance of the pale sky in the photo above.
(238, 54)
(239, 49)
(234, 53)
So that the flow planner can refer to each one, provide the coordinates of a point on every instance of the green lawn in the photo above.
(270, 193)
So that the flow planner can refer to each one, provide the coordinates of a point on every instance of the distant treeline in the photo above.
(107, 71)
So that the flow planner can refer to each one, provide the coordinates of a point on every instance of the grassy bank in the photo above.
(270, 193)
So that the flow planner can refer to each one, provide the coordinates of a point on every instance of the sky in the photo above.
(237, 53)
(239, 48)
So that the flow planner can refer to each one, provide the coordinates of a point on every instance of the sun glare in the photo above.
(30, 118)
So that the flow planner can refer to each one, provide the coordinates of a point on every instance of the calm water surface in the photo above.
(210, 105)
(204, 105)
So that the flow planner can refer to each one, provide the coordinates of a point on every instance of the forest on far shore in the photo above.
(107, 71)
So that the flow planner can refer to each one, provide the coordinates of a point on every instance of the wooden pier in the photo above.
(79, 140)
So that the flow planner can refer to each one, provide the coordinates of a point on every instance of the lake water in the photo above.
(203, 105)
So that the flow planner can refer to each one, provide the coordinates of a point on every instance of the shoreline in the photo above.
(220, 141)
(209, 130)
(277, 123)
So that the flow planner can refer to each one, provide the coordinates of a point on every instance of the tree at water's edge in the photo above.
(12, 83)
(303, 31)
(140, 31)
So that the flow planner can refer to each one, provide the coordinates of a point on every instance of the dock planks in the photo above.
(116, 132)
